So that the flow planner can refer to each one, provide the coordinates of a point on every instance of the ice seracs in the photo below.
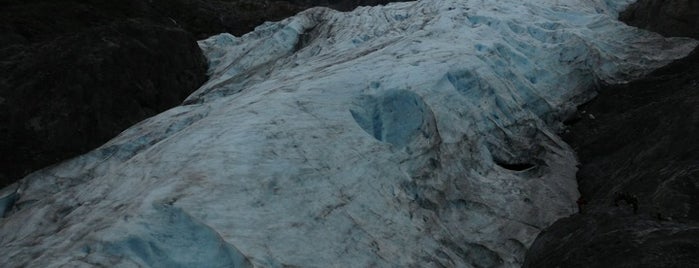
(417, 133)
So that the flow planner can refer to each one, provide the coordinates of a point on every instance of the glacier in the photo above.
(413, 134)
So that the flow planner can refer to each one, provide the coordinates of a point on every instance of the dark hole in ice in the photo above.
(305, 38)
(514, 166)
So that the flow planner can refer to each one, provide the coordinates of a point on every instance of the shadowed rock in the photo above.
(667, 17)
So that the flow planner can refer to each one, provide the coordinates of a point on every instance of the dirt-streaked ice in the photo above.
(415, 134)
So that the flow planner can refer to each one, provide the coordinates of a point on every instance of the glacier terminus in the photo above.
(416, 134)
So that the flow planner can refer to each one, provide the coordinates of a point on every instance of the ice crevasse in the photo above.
(413, 134)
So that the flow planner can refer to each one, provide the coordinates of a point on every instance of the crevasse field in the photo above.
(414, 134)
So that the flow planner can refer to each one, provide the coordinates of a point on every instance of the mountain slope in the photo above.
(419, 133)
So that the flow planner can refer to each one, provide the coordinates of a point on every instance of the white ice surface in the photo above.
(381, 136)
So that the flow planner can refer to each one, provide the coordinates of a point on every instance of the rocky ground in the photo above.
(73, 74)
(638, 138)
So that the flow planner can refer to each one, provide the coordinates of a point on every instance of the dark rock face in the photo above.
(638, 138)
(643, 141)
(76, 74)
(207, 17)
(615, 238)
(73, 74)
(667, 17)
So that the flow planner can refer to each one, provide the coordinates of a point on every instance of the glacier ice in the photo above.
(413, 134)
(8, 196)
(171, 238)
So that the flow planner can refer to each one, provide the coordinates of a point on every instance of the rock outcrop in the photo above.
(667, 17)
